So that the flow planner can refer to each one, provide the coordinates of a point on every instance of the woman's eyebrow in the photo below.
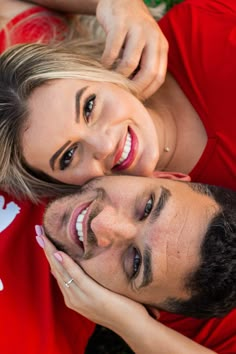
(57, 153)
(78, 95)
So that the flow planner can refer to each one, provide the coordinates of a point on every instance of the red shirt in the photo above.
(204, 65)
(32, 25)
(34, 318)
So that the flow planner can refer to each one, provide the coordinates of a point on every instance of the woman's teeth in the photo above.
(79, 224)
(127, 149)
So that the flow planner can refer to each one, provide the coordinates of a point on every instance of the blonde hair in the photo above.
(23, 68)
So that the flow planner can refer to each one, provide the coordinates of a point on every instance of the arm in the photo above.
(141, 332)
(12, 8)
(141, 49)
(87, 7)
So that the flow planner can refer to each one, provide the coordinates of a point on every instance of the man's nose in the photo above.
(113, 228)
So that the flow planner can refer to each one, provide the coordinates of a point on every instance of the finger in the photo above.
(113, 47)
(63, 267)
(48, 247)
(132, 52)
(152, 69)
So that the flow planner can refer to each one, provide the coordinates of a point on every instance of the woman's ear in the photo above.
(171, 175)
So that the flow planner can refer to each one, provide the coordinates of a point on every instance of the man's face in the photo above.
(137, 236)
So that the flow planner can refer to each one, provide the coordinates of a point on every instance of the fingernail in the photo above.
(58, 257)
(40, 241)
(38, 230)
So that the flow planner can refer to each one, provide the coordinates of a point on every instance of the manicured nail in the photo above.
(38, 230)
(58, 257)
(40, 241)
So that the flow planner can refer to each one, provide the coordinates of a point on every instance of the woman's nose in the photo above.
(112, 228)
(101, 145)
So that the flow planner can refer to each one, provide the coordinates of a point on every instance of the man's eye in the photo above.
(66, 159)
(148, 208)
(88, 107)
(136, 263)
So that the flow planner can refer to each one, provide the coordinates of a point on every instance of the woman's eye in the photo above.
(66, 159)
(148, 208)
(88, 107)
(136, 263)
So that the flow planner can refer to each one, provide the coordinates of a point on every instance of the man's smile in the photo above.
(78, 225)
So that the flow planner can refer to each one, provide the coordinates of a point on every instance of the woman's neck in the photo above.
(182, 136)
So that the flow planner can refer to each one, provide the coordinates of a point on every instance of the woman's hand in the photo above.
(87, 297)
(133, 36)
(127, 318)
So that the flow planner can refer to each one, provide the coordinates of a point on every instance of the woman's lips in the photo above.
(132, 153)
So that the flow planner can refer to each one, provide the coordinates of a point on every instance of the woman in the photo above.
(177, 128)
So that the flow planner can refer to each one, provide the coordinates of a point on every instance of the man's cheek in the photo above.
(104, 273)
(96, 270)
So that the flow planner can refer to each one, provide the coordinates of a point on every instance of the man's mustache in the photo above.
(91, 237)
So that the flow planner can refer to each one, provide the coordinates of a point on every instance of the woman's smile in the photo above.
(78, 130)
(127, 155)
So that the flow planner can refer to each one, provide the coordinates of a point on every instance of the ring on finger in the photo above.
(67, 284)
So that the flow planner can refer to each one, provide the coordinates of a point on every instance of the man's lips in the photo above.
(129, 142)
(72, 225)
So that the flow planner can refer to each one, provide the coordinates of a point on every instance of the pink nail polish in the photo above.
(58, 257)
(38, 230)
(40, 241)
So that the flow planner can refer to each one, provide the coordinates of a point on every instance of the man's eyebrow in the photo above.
(164, 196)
(57, 153)
(147, 255)
(147, 267)
(78, 95)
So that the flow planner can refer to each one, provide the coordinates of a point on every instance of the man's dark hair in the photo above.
(213, 284)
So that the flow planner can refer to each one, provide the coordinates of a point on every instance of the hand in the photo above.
(133, 36)
(87, 297)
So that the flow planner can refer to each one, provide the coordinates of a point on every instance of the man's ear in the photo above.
(171, 175)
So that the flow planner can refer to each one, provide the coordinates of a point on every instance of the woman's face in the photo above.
(78, 130)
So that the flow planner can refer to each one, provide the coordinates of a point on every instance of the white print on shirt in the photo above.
(7, 214)
(1, 285)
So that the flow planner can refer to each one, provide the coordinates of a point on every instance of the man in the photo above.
(166, 244)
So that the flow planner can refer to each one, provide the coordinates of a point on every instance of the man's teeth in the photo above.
(127, 149)
(79, 224)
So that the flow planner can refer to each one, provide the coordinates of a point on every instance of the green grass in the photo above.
(169, 3)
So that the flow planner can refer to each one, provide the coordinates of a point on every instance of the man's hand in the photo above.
(134, 37)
